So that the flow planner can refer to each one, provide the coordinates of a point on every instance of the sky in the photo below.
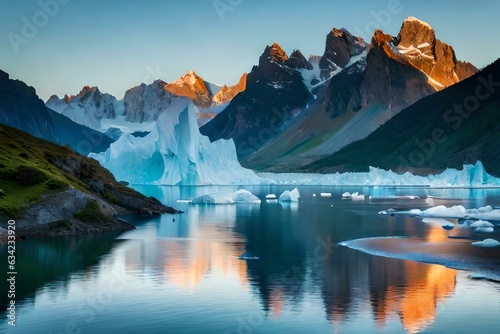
(59, 46)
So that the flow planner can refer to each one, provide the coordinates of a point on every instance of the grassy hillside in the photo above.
(31, 168)
(458, 125)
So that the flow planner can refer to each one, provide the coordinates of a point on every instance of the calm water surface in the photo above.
(182, 273)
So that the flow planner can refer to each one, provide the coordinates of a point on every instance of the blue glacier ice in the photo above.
(239, 196)
(470, 176)
(175, 153)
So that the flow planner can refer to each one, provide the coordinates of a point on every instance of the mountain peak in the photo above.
(416, 33)
(418, 21)
(226, 94)
(340, 47)
(418, 44)
(192, 86)
(276, 53)
(87, 89)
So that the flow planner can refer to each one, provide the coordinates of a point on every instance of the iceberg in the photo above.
(486, 243)
(290, 196)
(484, 229)
(441, 211)
(470, 218)
(175, 153)
(481, 223)
(240, 196)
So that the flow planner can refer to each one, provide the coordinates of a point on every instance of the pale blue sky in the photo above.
(117, 44)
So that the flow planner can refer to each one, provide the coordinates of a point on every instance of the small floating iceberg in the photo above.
(183, 201)
(290, 196)
(358, 197)
(271, 196)
(484, 229)
(240, 196)
(346, 195)
(326, 194)
(249, 257)
(457, 212)
(481, 223)
(487, 243)
(355, 196)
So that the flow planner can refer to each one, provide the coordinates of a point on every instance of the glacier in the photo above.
(470, 176)
(175, 153)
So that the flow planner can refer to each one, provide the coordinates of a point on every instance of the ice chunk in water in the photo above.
(290, 196)
(486, 243)
(240, 196)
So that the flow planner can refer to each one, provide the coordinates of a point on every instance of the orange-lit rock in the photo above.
(192, 86)
(226, 94)
(417, 42)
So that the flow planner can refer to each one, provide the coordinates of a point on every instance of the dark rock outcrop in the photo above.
(418, 43)
(341, 45)
(297, 60)
(274, 94)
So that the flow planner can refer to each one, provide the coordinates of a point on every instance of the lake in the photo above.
(183, 273)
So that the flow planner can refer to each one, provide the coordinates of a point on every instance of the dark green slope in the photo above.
(33, 169)
(458, 125)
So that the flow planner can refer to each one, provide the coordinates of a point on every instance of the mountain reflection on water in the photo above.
(183, 273)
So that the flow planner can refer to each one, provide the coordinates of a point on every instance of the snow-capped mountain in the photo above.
(87, 108)
(275, 93)
(357, 87)
(144, 103)
(341, 47)
(437, 132)
(417, 42)
(204, 94)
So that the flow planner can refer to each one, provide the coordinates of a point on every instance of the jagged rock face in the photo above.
(88, 107)
(297, 60)
(226, 94)
(341, 45)
(343, 93)
(389, 78)
(417, 42)
(398, 71)
(144, 103)
(197, 90)
(274, 94)
(192, 86)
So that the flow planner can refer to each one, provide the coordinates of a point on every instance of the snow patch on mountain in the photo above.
(86, 108)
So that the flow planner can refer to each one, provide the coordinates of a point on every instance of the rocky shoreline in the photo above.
(67, 213)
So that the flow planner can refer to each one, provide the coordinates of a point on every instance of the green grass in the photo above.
(112, 198)
(25, 173)
(91, 213)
